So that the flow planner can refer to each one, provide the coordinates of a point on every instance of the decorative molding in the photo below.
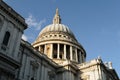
(14, 15)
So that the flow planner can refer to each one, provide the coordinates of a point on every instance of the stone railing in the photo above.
(89, 63)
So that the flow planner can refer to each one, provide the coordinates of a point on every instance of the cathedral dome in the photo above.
(56, 31)
(59, 43)
(57, 28)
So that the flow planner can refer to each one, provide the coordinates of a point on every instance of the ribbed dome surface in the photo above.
(57, 28)
(59, 43)
(56, 31)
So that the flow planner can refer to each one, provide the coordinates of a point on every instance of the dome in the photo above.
(57, 28)
(59, 43)
(61, 31)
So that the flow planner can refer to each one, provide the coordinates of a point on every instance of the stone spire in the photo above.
(57, 19)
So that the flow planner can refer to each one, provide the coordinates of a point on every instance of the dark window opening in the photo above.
(50, 35)
(6, 38)
(37, 48)
(78, 56)
(42, 48)
(64, 36)
(54, 50)
(32, 78)
(55, 35)
(82, 55)
(60, 35)
(74, 54)
(68, 52)
(61, 51)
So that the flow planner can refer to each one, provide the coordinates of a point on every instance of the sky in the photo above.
(95, 23)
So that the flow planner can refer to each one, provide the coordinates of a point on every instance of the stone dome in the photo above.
(59, 43)
(57, 28)
(56, 31)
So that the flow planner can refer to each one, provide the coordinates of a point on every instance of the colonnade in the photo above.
(62, 51)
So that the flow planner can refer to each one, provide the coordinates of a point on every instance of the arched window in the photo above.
(6, 38)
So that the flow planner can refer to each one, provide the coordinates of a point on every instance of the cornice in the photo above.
(12, 13)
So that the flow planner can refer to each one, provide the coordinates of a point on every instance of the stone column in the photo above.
(58, 51)
(45, 49)
(51, 52)
(76, 54)
(71, 57)
(64, 51)
(39, 48)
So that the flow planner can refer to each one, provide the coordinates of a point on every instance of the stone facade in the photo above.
(55, 54)
(11, 29)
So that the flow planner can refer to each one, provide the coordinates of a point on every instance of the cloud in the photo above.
(24, 37)
(38, 27)
(32, 22)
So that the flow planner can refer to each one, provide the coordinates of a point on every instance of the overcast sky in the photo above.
(95, 23)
